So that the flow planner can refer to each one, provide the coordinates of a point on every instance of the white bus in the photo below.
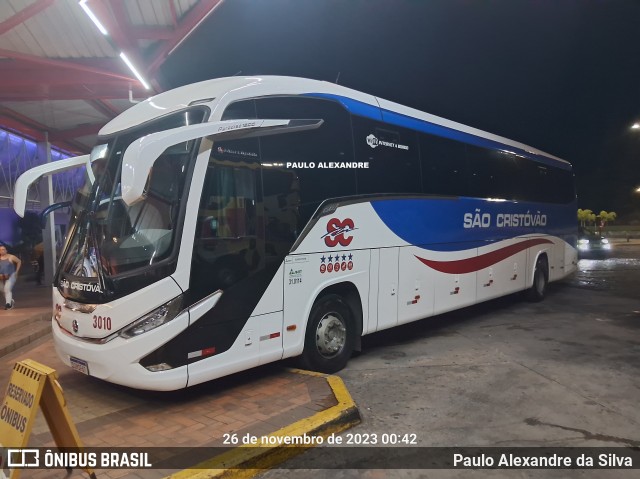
(239, 221)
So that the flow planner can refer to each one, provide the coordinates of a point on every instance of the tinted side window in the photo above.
(539, 177)
(565, 185)
(392, 153)
(228, 203)
(545, 183)
(228, 246)
(331, 142)
(281, 197)
(493, 174)
(240, 110)
(443, 166)
(244, 149)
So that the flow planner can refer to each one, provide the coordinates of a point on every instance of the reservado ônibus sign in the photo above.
(32, 385)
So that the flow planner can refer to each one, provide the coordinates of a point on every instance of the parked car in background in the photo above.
(592, 244)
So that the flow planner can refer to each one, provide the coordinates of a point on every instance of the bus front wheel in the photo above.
(329, 338)
(538, 289)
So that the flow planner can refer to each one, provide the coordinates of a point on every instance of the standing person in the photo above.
(9, 267)
(39, 252)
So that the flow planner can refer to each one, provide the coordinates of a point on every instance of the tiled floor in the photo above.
(259, 402)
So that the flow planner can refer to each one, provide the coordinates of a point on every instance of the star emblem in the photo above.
(322, 259)
(350, 256)
(344, 256)
(330, 258)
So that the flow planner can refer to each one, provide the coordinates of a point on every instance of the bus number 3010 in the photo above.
(100, 322)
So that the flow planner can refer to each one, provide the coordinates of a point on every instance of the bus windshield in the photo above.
(107, 237)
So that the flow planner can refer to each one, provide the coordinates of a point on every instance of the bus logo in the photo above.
(372, 141)
(336, 231)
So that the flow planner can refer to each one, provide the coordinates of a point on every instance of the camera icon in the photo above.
(22, 458)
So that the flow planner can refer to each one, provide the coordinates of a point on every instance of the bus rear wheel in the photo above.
(329, 338)
(538, 289)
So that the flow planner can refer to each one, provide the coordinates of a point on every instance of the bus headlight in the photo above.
(83, 308)
(155, 318)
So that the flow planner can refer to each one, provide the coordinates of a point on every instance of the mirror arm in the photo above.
(50, 209)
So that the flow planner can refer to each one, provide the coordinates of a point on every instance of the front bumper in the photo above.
(117, 361)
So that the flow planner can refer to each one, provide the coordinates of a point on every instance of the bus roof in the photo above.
(218, 93)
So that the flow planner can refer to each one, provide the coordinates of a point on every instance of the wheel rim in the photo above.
(331, 335)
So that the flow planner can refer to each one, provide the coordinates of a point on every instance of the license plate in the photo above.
(79, 365)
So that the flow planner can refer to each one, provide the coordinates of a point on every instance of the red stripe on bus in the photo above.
(477, 263)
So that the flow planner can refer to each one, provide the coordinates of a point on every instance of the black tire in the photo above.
(330, 336)
(538, 289)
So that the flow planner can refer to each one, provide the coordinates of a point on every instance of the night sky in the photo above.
(562, 76)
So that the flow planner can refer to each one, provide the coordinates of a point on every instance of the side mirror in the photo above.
(29, 176)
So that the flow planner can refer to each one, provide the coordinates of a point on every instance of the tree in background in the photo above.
(586, 217)
(605, 218)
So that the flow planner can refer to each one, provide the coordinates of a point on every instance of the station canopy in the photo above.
(63, 75)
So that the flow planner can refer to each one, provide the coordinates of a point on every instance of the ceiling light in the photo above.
(94, 19)
(135, 72)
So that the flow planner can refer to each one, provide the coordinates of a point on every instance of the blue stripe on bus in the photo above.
(356, 107)
(437, 223)
(369, 111)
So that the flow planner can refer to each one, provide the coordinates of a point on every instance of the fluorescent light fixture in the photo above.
(135, 72)
(94, 19)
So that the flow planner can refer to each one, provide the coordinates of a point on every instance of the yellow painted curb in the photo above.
(255, 459)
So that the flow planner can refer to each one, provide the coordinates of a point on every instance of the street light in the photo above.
(635, 126)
